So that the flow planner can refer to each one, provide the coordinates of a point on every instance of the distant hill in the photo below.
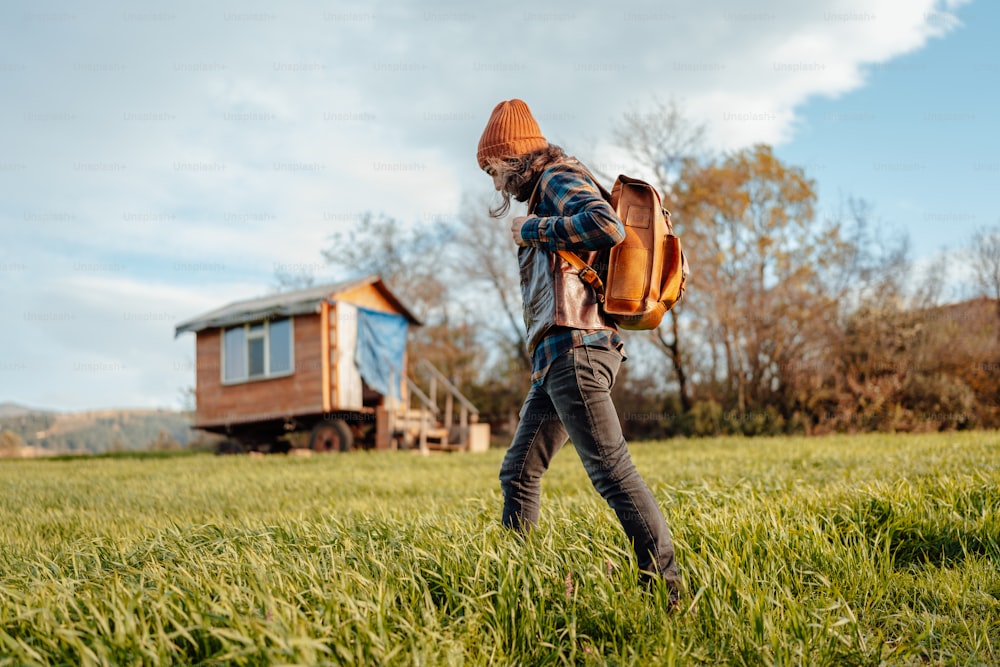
(9, 409)
(96, 431)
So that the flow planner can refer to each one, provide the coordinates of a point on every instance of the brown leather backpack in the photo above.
(647, 271)
(646, 274)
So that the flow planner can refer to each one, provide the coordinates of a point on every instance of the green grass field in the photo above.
(829, 551)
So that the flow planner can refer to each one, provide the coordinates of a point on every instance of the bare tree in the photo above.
(486, 265)
(408, 258)
(986, 260)
(459, 276)
(412, 260)
(986, 264)
(293, 279)
(662, 140)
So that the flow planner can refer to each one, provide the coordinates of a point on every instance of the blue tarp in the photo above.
(380, 350)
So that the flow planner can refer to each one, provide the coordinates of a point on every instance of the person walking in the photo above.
(575, 351)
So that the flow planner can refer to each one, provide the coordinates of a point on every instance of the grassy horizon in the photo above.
(841, 550)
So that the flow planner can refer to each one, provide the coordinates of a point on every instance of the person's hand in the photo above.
(515, 229)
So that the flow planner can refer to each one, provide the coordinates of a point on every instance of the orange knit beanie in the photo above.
(511, 132)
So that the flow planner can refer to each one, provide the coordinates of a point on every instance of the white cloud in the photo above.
(95, 336)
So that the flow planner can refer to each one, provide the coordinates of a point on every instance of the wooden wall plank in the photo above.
(298, 394)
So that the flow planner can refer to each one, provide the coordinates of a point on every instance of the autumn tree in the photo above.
(10, 444)
(762, 259)
(907, 368)
(903, 358)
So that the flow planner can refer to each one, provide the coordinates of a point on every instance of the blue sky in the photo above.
(920, 140)
(158, 161)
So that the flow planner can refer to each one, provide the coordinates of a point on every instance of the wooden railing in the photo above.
(431, 424)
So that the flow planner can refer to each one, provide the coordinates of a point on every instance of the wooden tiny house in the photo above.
(327, 360)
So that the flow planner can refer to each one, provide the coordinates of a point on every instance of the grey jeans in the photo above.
(575, 401)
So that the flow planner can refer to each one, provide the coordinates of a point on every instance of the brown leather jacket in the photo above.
(552, 291)
(554, 295)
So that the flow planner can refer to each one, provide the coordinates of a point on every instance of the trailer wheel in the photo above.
(331, 436)
(230, 447)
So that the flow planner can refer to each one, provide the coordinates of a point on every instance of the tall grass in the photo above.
(835, 551)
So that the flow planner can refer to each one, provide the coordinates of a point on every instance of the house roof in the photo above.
(286, 304)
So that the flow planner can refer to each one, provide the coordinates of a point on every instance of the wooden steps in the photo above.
(455, 428)
(407, 425)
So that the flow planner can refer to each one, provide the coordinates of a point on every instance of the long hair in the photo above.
(520, 174)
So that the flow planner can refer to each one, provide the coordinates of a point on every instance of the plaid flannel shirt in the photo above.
(571, 215)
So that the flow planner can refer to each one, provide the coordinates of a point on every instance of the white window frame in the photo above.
(267, 375)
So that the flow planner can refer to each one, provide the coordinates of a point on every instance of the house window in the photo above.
(257, 350)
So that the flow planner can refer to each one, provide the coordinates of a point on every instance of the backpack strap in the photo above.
(588, 274)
